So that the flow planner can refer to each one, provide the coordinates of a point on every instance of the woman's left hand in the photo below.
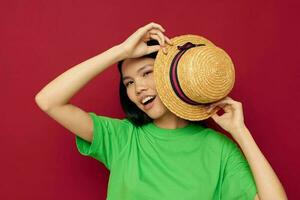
(233, 119)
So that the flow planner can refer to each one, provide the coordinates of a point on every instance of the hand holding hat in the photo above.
(136, 44)
(233, 119)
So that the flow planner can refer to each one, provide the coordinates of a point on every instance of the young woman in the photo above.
(152, 153)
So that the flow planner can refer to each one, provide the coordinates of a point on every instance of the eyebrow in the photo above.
(128, 77)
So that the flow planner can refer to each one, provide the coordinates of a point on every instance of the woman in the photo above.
(152, 153)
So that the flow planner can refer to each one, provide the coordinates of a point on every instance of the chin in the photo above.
(156, 113)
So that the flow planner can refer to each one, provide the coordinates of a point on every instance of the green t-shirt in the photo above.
(152, 163)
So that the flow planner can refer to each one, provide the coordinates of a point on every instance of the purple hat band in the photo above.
(174, 76)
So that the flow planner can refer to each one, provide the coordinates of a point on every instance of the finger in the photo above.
(216, 117)
(147, 37)
(234, 105)
(156, 37)
(212, 109)
(227, 108)
(222, 101)
(152, 49)
(166, 39)
(228, 98)
(165, 51)
(161, 36)
(151, 26)
(169, 41)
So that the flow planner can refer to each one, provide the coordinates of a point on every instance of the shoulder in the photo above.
(127, 124)
(112, 123)
(216, 136)
(219, 140)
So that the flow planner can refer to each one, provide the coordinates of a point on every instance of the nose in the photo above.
(140, 86)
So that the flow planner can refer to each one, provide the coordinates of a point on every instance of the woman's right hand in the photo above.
(136, 46)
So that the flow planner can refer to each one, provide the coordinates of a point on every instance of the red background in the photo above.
(41, 39)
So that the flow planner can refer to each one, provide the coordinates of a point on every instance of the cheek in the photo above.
(159, 100)
(151, 82)
(161, 103)
(130, 94)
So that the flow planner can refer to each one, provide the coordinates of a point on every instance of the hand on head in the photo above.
(135, 45)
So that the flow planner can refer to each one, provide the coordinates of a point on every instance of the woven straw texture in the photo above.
(206, 74)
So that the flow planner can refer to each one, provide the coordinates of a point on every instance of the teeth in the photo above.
(147, 99)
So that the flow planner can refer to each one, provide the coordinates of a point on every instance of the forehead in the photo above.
(132, 65)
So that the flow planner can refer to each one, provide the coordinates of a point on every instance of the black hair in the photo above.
(132, 112)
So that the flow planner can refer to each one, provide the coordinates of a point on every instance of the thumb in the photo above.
(152, 49)
(216, 117)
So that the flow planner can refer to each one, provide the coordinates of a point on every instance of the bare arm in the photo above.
(268, 184)
(59, 91)
(54, 97)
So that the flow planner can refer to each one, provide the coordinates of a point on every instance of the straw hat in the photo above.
(194, 74)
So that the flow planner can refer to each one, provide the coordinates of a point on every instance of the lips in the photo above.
(145, 96)
(150, 104)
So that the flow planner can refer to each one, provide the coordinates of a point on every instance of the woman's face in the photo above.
(139, 82)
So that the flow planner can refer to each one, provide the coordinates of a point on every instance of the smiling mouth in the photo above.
(149, 104)
(149, 101)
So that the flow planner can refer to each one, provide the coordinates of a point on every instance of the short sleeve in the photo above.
(110, 136)
(238, 181)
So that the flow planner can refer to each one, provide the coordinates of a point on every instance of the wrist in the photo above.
(240, 134)
(122, 55)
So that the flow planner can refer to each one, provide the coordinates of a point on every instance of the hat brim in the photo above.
(163, 85)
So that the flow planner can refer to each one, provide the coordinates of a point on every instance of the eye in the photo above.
(146, 73)
(128, 83)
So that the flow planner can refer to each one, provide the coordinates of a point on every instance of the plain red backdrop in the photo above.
(41, 39)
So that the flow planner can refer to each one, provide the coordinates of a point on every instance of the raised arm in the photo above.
(54, 97)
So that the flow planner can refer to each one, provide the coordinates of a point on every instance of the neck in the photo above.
(170, 121)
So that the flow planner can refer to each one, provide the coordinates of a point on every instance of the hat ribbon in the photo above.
(174, 76)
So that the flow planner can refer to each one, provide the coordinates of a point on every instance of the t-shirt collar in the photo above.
(189, 129)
